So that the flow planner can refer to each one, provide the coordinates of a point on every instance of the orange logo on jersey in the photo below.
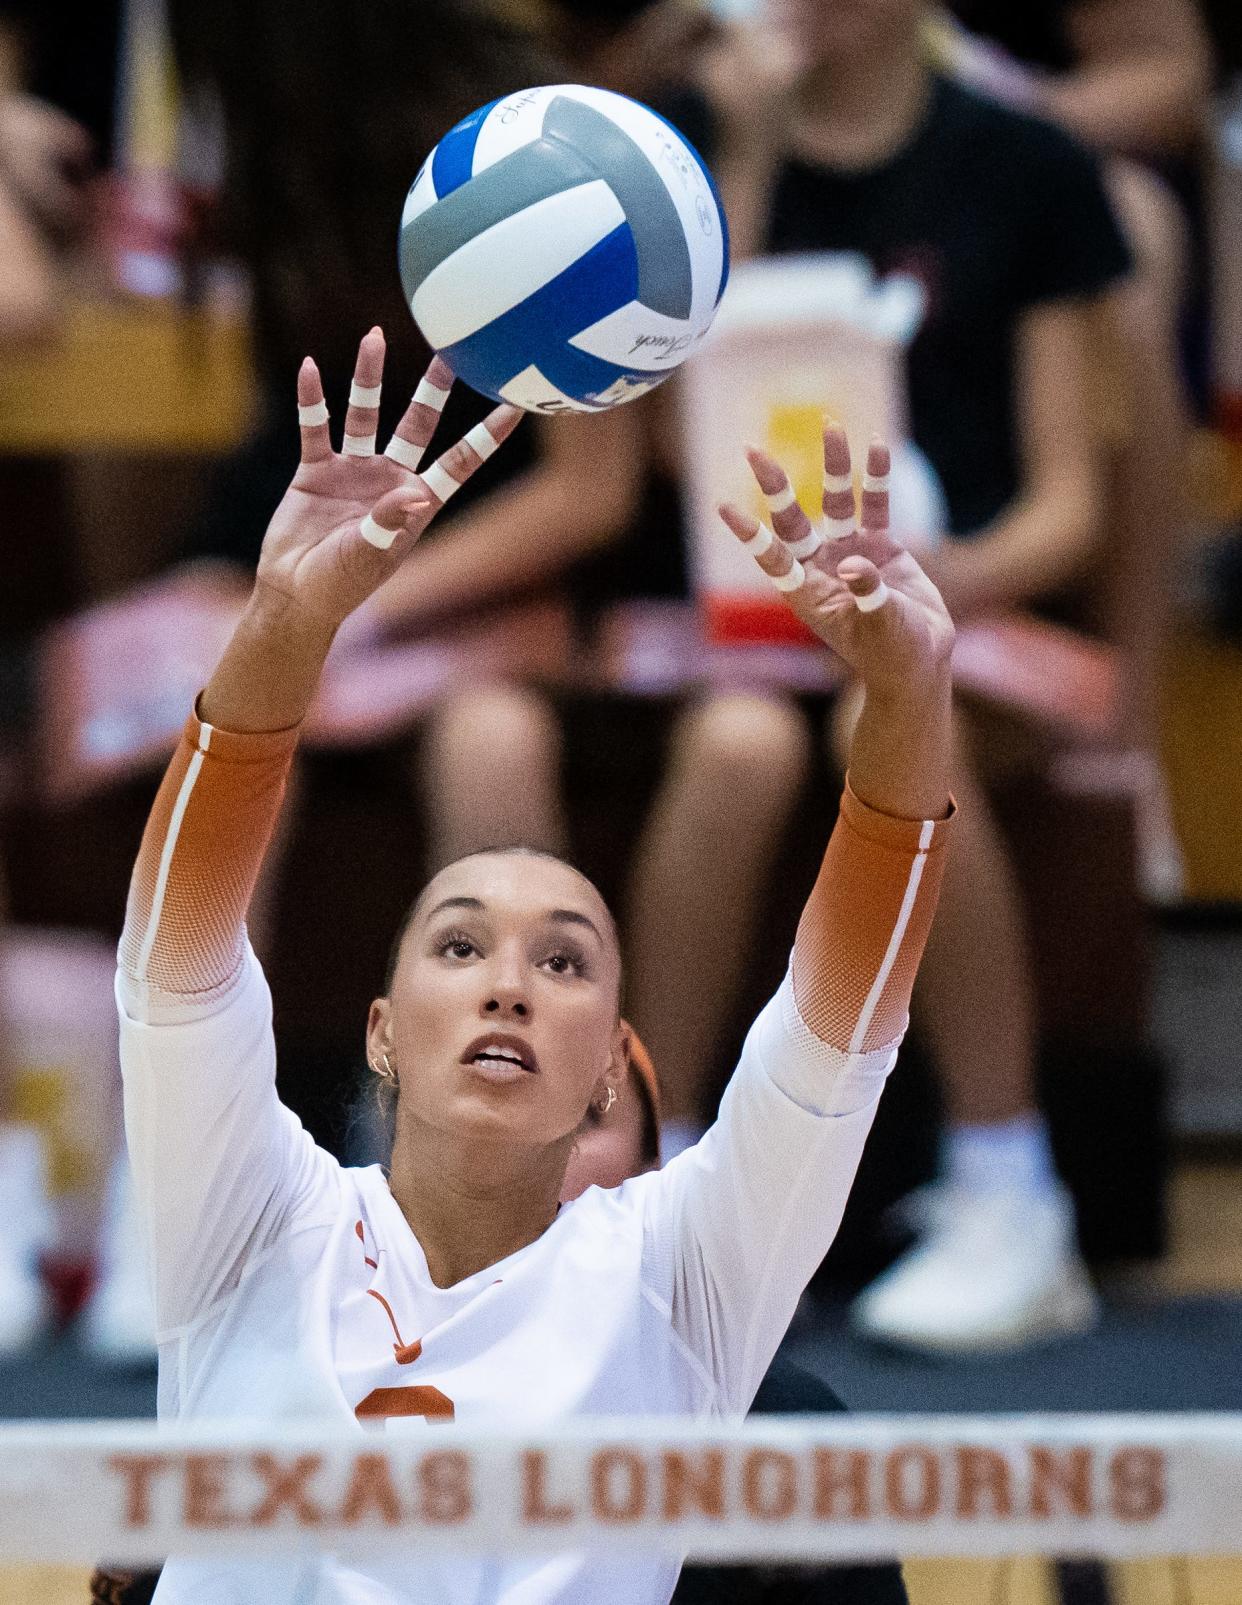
(381, 1403)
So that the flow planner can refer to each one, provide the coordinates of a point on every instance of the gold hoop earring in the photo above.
(387, 1073)
(612, 1098)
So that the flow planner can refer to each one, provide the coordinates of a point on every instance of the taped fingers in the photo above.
(838, 499)
(390, 517)
(769, 551)
(865, 584)
(875, 486)
(312, 414)
(413, 434)
(362, 418)
(789, 521)
(445, 477)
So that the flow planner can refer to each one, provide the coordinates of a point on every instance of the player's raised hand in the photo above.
(863, 595)
(350, 516)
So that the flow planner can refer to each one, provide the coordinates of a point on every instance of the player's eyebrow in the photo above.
(472, 903)
(569, 916)
(563, 916)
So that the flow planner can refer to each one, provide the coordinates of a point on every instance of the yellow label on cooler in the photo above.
(795, 437)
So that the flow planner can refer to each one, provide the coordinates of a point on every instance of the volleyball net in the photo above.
(770, 1488)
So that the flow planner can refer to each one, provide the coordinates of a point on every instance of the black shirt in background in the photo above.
(994, 212)
(1033, 31)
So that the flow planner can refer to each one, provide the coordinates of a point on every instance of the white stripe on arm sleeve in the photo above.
(845, 1007)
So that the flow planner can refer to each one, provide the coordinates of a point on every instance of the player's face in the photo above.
(503, 1010)
(609, 1148)
(840, 30)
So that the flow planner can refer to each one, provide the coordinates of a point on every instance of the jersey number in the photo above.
(382, 1404)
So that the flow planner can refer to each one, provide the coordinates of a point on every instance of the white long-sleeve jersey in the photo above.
(288, 1287)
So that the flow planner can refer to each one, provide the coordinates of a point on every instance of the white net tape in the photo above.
(789, 1487)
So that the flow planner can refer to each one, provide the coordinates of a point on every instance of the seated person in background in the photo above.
(1004, 220)
(58, 1048)
(834, 135)
(1132, 79)
(44, 156)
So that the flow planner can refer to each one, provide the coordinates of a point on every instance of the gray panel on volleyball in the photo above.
(548, 166)
(664, 274)
(515, 182)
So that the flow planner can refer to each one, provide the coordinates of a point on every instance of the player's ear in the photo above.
(379, 1030)
(619, 1058)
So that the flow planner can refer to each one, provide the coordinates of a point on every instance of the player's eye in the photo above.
(565, 961)
(456, 945)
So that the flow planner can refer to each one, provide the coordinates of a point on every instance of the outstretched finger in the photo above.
(768, 550)
(362, 418)
(399, 512)
(838, 501)
(875, 492)
(312, 414)
(865, 585)
(789, 521)
(421, 418)
(452, 468)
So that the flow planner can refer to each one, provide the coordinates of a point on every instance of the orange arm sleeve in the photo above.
(200, 857)
(865, 925)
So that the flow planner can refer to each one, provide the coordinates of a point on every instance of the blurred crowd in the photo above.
(1044, 170)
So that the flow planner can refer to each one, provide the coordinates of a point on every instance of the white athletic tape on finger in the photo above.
(481, 440)
(873, 600)
(875, 482)
(780, 500)
(404, 452)
(440, 482)
(364, 395)
(358, 445)
(808, 545)
(836, 529)
(429, 395)
(316, 413)
(834, 484)
(793, 581)
(377, 534)
(760, 542)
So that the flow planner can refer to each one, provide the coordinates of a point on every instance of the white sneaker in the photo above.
(25, 1310)
(994, 1271)
(25, 1228)
(118, 1324)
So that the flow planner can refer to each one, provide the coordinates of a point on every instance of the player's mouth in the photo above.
(500, 1056)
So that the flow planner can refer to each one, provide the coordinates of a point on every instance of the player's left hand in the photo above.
(862, 594)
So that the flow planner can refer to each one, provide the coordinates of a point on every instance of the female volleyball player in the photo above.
(455, 1285)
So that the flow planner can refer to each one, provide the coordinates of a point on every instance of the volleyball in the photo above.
(563, 249)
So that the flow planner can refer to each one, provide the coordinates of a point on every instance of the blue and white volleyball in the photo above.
(564, 249)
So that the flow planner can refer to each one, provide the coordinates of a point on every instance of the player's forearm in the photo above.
(269, 672)
(201, 853)
(508, 543)
(1040, 543)
(1147, 105)
(900, 754)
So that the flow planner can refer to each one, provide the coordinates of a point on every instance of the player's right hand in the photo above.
(349, 517)
(862, 594)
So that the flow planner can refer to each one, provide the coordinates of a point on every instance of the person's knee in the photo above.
(748, 741)
(498, 730)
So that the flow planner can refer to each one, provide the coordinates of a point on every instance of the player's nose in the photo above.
(507, 995)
